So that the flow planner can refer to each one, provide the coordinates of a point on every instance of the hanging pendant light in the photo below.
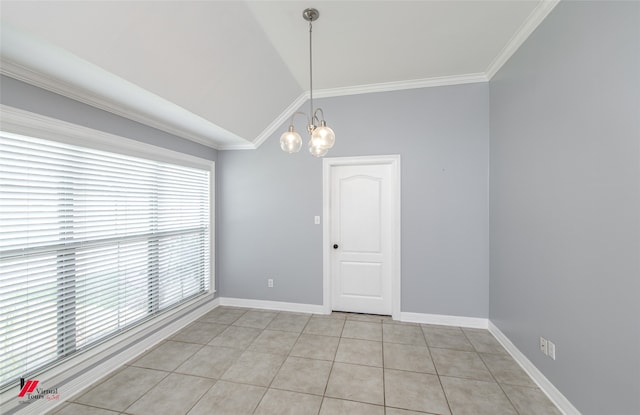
(291, 142)
(321, 137)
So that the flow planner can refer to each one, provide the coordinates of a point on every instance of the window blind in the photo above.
(91, 243)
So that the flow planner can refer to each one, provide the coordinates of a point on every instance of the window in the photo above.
(91, 243)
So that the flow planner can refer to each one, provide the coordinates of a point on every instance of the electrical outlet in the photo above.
(270, 283)
(544, 345)
(551, 349)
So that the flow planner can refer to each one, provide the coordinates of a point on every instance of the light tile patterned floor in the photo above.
(236, 361)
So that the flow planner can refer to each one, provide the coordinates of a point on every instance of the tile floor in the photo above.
(235, 361)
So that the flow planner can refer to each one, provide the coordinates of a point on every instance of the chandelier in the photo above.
(322, 138)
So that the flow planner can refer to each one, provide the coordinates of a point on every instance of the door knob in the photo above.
(335, 246)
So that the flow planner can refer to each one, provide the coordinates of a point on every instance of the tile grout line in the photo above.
(173, 372)
(499, 385)
(333, 361)
(281, 365)
(266, 388)
(384, 384)
(148, 390)
(446, 398)
(219, 379)
(330, 370)
(489, 370)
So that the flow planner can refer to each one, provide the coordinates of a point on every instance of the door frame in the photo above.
(327, 164)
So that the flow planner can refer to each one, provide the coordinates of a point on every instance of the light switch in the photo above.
(316, 220)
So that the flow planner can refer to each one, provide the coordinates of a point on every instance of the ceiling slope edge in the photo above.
(34, 61)
(361, 89)
(35, 78)
(536, 17)
(278, 122)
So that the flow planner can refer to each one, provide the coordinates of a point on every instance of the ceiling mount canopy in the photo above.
(322, 138)
(310, 14)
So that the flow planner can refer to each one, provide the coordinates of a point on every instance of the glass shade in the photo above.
(323, 136)
(316, 150)
(291, 142)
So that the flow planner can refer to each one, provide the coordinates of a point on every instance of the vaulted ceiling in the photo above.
(228, 73)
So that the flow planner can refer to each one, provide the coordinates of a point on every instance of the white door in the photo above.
(361, 237)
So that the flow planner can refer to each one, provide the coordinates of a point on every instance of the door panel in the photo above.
(364, 279)
(360, 211)
(359, 217)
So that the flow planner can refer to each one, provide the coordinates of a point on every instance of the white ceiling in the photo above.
(228, 73)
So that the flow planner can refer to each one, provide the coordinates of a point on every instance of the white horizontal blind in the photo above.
(91, 243)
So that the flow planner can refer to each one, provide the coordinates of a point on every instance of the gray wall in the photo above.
(30, 98)
(269, 198)
(565, 202)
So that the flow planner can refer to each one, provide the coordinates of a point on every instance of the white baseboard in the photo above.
(272, 305)
(543, 383)
(104, 361)
(471, 322)
(444, 320)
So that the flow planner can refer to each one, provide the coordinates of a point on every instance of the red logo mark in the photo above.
(29, 387)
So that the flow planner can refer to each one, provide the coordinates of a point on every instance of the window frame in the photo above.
(30, 124)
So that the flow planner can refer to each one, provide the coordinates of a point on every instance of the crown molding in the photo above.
(530, 24)
(277, 123)
(356, 90)
(248, 146)
(401, 85)
(57, 86)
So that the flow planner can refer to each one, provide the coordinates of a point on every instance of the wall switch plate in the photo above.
(543, 345)
(551, 349)
(316, 220)
(270, 283)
